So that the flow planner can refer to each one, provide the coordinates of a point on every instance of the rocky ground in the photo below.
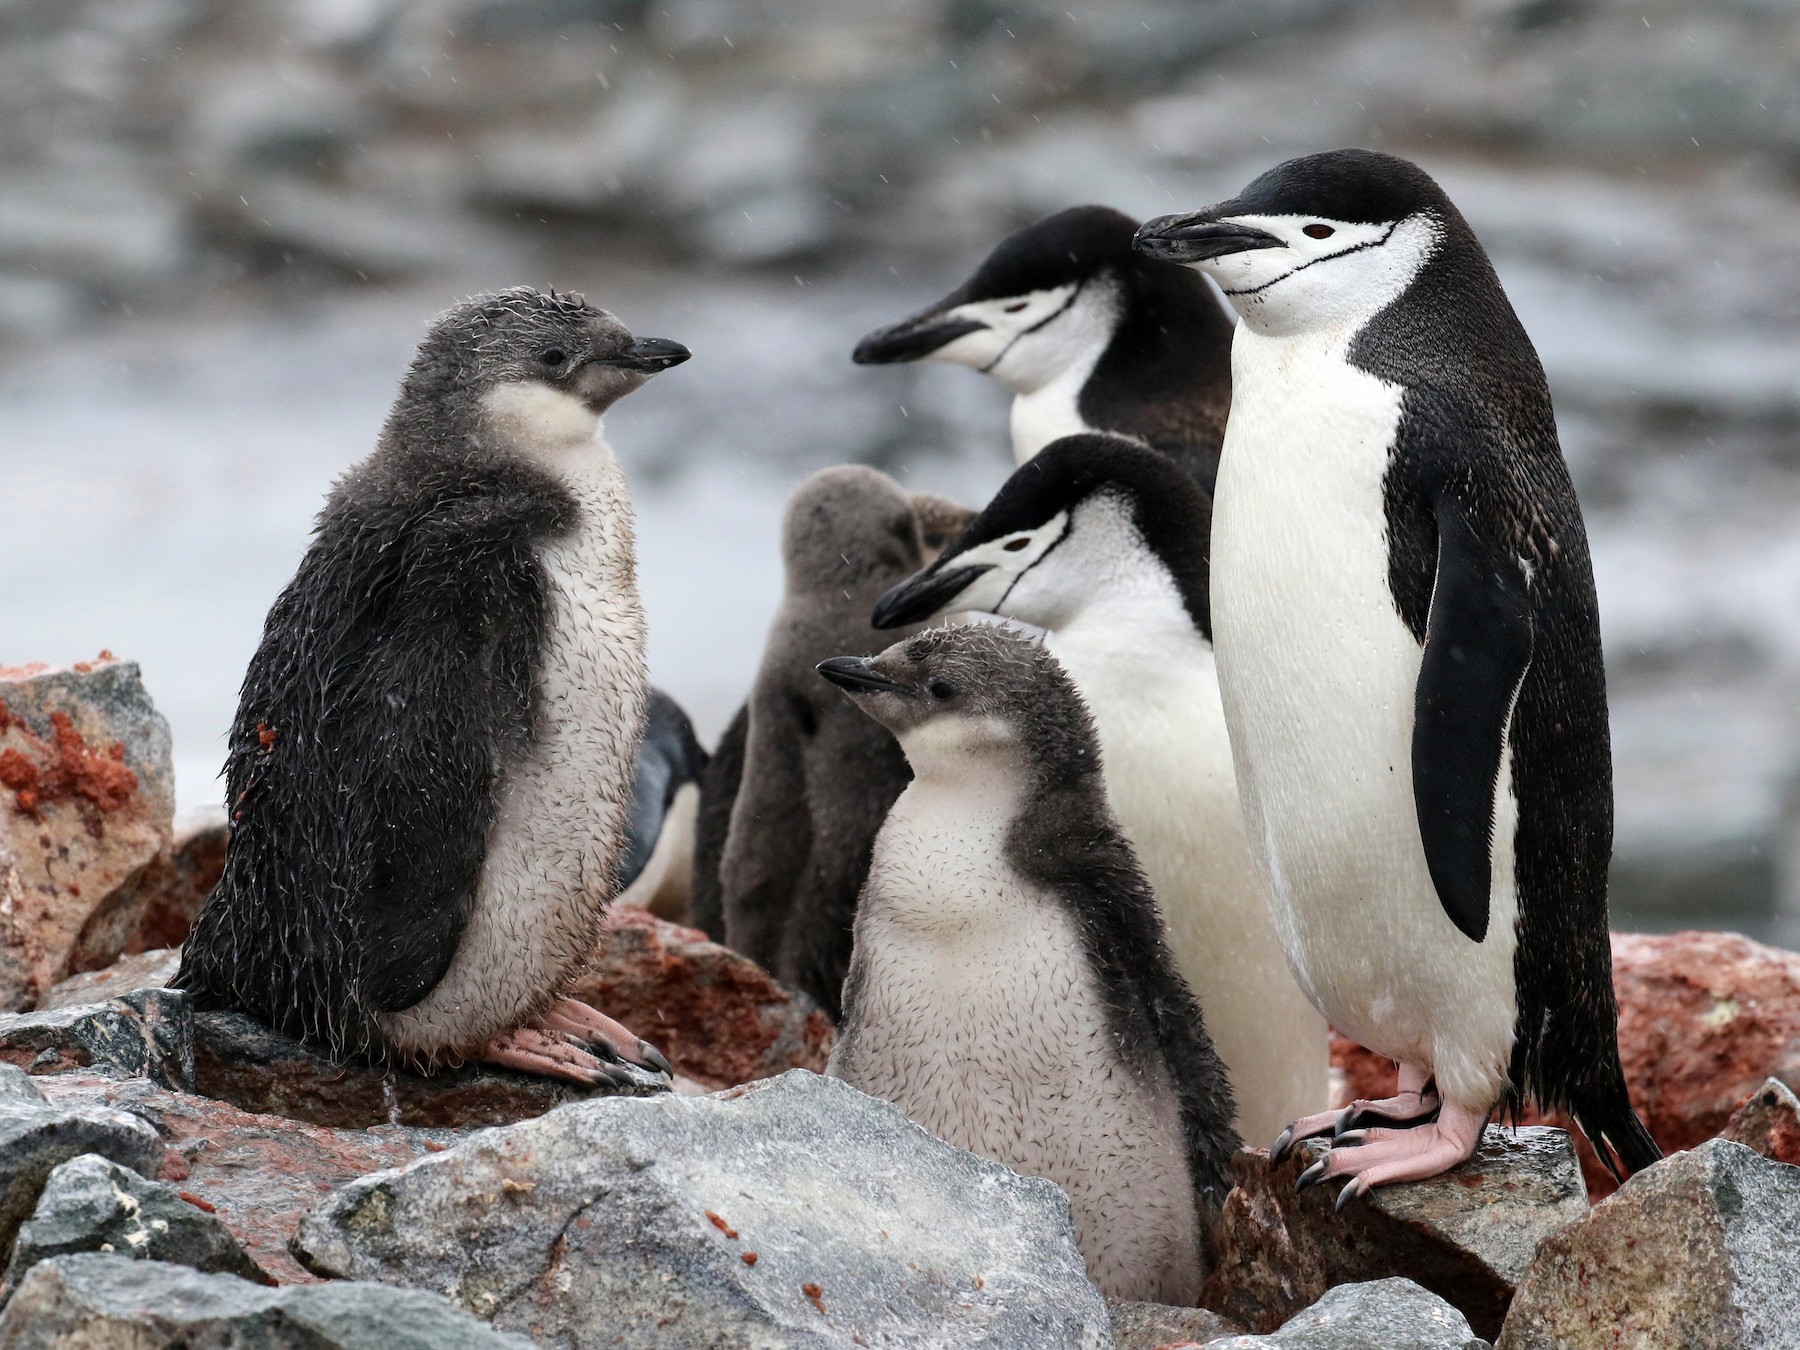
(171, 1177)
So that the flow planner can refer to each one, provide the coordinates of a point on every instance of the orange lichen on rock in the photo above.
(63, 767)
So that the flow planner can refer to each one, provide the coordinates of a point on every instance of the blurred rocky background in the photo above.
(223, 223)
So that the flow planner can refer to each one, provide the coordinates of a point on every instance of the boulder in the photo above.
(92, 1205)
(87, 794)
(239, 1060)
(103, 1300)
(168, 893)
(257, 1174)
(719, 1017)
(1390, 1314)
(147, 1034)
(1151, 1326)
(127, 975)
(37, 1135)
(793, 1212)
(1697, 1252)
(1769, 1123)
(1467, 1236)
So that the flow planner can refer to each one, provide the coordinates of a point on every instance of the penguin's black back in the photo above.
(1477, 426)
(394, 684)
(719, 783)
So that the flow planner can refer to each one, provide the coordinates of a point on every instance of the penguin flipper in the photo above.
(1478, 646)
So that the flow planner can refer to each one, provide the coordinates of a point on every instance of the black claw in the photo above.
(602, 1050)
(1312, 1176)
(655, 1058)
(1352, 1189)
(1279, 1150)
(1352, 1139)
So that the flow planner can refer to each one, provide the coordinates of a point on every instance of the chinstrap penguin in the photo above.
(1010, 989)
(1409, 654)
(1095, 541)
(431, 767)
(656, 872)
(817, 776)
(1088, 334)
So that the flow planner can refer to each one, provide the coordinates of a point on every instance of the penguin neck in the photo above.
(1049, 411)
(538, 422)
(965, 758)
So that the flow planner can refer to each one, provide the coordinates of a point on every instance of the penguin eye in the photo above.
(1014, 545)
(1014, 307)
(552, 357)
(942, 690)
(1318, 232)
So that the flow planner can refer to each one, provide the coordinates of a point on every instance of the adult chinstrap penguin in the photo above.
(817, 776)
(1088, 334)
(1100, 542)
(1409, 653)
(1010, 989)
(431, 766)
(656, 871)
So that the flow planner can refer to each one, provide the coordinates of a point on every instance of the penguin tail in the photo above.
(1619, 1138)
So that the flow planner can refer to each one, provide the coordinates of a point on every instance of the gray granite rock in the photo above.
(1468, 1235)
(127, 975)
(1768, 1122)
(1701, 1250)
(792, 1212)
(1391, 1314)
(146, 1034)
(1150, 1326)
(36, 1137)
(114, 1301)
(92, 1205)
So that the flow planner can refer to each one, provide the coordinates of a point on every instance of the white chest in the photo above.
(976, 1014)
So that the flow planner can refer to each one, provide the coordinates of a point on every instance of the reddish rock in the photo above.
(86, 798)
(1367, 1075)
(719, 1017)
(1467, 1236)
(1769, 1123)
(259, 1174)
(160, 905)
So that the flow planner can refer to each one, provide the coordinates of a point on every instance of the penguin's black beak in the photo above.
(912, 339)
(922, 595)
(857, 675)
(1194, 236)
(647, 356)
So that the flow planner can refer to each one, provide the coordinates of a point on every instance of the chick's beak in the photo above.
(857, 675)
(647, 356)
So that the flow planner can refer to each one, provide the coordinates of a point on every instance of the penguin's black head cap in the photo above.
(1031, 284)
(988, 687)
(529, 337)
(1330, 237)
(1029, 554)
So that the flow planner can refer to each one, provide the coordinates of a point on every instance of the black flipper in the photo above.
(1478, 647)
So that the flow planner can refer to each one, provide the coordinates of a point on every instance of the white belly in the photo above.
(974, 1012)
(1318, 673)
(1169, 778)
(552, 850)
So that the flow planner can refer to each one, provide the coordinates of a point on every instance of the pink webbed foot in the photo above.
(1415, 1102)
(548, 1054)
(610, 1039)
(1379, 1157)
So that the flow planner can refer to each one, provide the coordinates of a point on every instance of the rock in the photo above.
(127, 975)
(147, 1034)
(1769, 1123)
(92, 1205)
(37, 1135)
(793, 1212)
(1390, 1314)
(168, 893)
(719, 1017)
(1697, 1251)
(86, 798)
(1704, 1019)
(99, 1300)
(258, 1174)
(1467, 1236)
(239, 1060)
(1150, 1326)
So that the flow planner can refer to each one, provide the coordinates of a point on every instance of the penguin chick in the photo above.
(818, 777)
(1409, 654)
(1010, 990)
(656, 872)
(1094, 541)
(1088, 334)
(431, 765)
